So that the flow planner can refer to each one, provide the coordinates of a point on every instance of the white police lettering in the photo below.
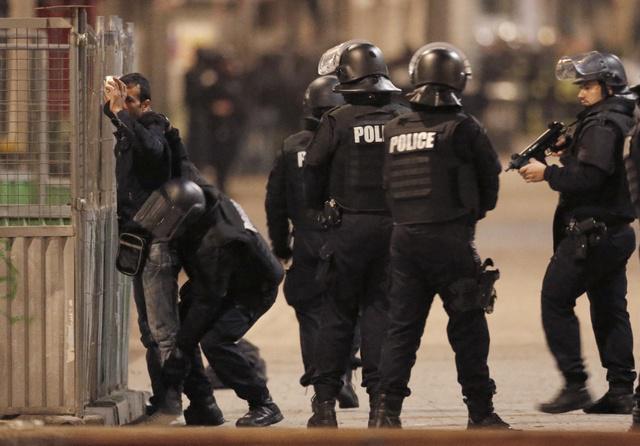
(408, 142)
(368, 134)
(301, 156)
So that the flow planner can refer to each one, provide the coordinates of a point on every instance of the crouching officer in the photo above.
(233, 281)
(592, 237)
(441, 176)
(343, 167)
(285, 203)
(160, 220)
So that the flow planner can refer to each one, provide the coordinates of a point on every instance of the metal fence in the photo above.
(63, 308)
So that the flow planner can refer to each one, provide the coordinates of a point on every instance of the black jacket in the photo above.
(143, 160)
(285, 203)
(592, 180)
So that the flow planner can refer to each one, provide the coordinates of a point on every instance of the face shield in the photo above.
(581, 67)
(330, 60)
(440, 46)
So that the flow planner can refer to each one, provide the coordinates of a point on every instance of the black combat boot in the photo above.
(152, 405)
(324, 413)
(386, 411)
(347, 398)
(203, 413)
(617, 400)
(261, 414)
(482, 414)
(573, 396)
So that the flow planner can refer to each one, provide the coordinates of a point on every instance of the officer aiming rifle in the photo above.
(542, 147)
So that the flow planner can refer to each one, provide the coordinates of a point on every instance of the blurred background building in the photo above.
(231, 73)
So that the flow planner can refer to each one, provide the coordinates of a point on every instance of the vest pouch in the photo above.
(132, 253)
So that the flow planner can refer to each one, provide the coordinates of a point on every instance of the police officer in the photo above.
(285, 203)
(143, 164)
(592, 236)
(441, 176)
(632, 164)
(233, 281)
(343, 167)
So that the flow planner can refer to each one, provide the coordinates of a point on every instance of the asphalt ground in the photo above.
(517, 235)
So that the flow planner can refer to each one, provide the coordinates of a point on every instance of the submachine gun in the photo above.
(539, 148)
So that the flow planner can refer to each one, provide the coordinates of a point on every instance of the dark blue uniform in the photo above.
(592, 185)
(441, 176)
(344, 162)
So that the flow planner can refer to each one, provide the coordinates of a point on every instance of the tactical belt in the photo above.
(365, 211)
(588, 233)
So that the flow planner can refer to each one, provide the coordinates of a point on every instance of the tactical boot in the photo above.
(203, 413)
(261, 414)
(152, 405)
(386, 412)
(324, 413)
(615, 401)
(347, 398)
(572, 397)
(491, 421)
(482, 414)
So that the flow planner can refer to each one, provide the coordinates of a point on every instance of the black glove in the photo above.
(176, 367)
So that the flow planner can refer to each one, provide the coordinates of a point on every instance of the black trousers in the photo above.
(602, 275)
(425, 260)
(358, 288)
(303, 292)
(228, 360)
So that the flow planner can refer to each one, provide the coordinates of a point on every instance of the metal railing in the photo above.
(64, 310)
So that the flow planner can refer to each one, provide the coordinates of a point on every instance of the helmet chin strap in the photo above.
(604, 90)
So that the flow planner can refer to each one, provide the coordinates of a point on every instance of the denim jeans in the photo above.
(156, 296)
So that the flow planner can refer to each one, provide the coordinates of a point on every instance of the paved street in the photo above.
(518, 237)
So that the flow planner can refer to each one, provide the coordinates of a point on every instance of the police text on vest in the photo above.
(368, 133)
(301, 155)
(408, 142)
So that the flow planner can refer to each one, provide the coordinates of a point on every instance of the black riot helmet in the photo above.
(170, 209)
(359, 66)
(320, 96)
(593, 66)
(439, 71)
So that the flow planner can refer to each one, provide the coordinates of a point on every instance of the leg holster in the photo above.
(473, 293)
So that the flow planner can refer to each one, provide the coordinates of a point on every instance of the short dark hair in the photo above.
(140, 80)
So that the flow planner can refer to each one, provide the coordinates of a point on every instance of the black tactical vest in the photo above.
(426, 181)
(611, 202)
(294, 150)
(356, 169)
(632, 165)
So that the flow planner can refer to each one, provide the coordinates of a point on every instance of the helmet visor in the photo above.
(580, 66)
(439, 45)
(330, 60)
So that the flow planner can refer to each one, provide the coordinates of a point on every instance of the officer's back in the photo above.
(345, 159)
(343, 167)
